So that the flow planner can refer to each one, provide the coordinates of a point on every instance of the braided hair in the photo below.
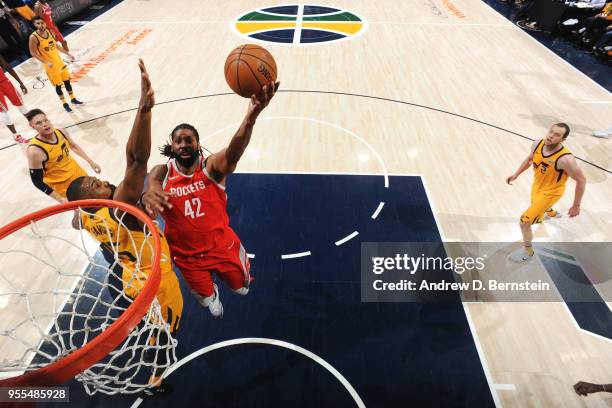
(166, 150)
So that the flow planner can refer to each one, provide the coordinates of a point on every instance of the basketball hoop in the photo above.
(106, 344)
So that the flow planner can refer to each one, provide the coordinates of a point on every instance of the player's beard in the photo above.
(112, 188)
(186, 161)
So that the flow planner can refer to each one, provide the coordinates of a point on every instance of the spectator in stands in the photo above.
(22, 9)
(590, 20)
(9, 33)
(603, 45)
(596, 26)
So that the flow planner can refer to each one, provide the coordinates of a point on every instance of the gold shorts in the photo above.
(540, 203)
(58, 75)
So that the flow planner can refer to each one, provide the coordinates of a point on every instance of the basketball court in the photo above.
(398, 124)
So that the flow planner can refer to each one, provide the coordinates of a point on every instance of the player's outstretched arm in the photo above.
(524, 165)
(8, 68)
(155, 199)
(138, 147)
(224, 162)
(79, 150)
(36, 158)
(568, 163)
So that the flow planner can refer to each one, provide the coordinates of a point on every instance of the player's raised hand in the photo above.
(155, 201)
(259, 102)
(147, 96)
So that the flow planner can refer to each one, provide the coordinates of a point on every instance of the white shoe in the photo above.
(215, 306)
(602, 133)
(520, 255)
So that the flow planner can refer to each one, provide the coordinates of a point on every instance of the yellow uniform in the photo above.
(25, 12)
(548, 182)
(59, 169)
(47, 47)
(116, 239)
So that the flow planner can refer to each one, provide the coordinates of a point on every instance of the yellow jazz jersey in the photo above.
(47, 47)
(548, 178)
(59, 169)
(135, 253)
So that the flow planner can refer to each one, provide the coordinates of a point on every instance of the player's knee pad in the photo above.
(58, 90)
(68, 86)
(5, 118)
(242, 291)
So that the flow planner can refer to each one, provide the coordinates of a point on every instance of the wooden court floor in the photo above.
(449, 90)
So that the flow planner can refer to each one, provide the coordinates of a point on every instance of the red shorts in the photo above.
(228, 261)
(7, 90)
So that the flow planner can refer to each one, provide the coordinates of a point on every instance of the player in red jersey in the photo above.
(8, 91)
(189, 191)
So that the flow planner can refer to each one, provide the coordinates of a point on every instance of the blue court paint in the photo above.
(286, 10)
(282, 36)
(393, 354)
(311, 36)
(584, 302)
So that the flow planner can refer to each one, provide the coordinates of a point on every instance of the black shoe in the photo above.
(67, 108)
(75, 101)
(152, 392)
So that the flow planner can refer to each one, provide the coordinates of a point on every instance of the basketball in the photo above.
(248, 68)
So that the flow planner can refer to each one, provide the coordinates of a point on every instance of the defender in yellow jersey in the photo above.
(132, 247)
(44, 47)
(138, 150)
(552, 164)
(52, 167)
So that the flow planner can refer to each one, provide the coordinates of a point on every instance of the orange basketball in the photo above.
(248, 68)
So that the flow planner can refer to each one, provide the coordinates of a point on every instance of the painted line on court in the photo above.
(347, 238)
(466, 310)
(322, 122)
(273, 342)
(296, 255)
(505, 387)
(355, 95)
(543, 46)
(378, 209)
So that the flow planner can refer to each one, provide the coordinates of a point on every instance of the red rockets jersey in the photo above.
(198, 218)
(2, 76)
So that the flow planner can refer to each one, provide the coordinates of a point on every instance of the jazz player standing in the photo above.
(552, 164)
(189, 191)
(52, 168)
(43, 47)
(43, 10)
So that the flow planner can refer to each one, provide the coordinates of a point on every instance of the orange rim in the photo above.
(92, 352)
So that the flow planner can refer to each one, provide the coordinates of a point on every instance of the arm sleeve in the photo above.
(37, 179)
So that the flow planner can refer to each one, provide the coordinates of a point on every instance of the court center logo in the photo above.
(299, 24)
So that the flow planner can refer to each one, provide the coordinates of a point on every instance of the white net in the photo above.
(59, 289)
